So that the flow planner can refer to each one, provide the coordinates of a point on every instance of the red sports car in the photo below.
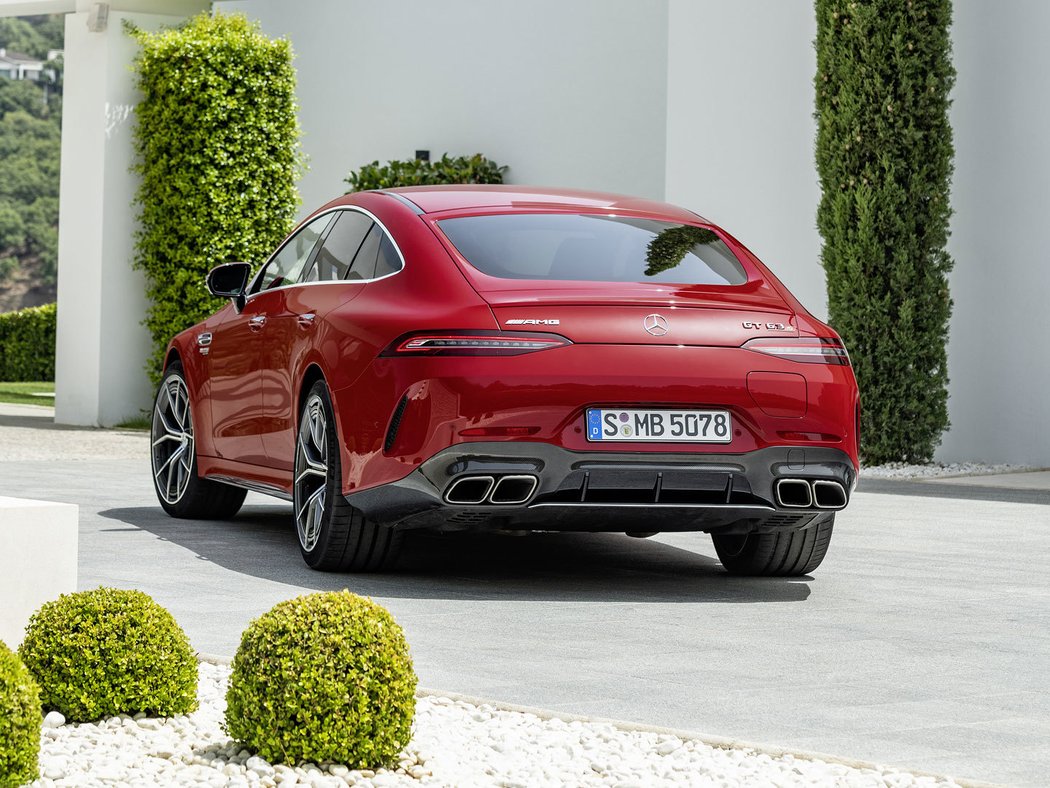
(467, 357)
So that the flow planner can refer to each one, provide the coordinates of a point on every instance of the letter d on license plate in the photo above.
(692, 426)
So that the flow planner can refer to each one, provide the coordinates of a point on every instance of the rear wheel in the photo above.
(181, 492)
(779, 554)
(333, 536)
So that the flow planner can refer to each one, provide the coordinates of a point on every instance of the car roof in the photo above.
(435, 199)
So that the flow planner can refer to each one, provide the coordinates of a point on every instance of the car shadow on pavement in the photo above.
(261, 542)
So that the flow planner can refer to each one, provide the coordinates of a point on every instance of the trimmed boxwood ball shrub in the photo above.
(20, 721)
(109, 651)
(323, 677)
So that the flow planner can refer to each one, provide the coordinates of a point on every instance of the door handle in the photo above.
(257, 323)
(307, 320)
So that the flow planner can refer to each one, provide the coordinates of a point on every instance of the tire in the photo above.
(333, 536)
(173, 458)
(779, 554)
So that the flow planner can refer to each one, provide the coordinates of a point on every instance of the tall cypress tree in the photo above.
(884, 157)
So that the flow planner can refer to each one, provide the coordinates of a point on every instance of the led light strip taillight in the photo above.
(808, 350)
(480, 344)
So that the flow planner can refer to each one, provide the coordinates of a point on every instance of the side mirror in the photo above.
(230, 281)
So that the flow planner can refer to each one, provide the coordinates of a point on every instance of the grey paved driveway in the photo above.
(923, 640)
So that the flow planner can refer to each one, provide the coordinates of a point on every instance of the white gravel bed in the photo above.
(937, 470)
(454, 744)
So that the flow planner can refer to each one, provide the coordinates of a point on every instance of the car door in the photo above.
(238, 344)
(344, 262)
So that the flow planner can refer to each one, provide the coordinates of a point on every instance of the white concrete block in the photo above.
(38, 559)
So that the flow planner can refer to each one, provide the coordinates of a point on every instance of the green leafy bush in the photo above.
(416, 172)
(20, 721)
(324, 677)
(217, 141)
(109, 651)
(884, 157)
(27, 344)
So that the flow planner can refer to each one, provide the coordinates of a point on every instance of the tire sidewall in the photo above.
(174, 370)
(332, 483)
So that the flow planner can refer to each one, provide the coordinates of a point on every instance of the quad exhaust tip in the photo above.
(506, 490)
(470, 489)
(514, 489)
(803, 494)
(794, 493)
(828, 495)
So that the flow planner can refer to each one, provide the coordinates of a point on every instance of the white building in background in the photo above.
(15, 65)
(705, 103)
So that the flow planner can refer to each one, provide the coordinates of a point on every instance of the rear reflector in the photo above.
(498, 432)
(480, 343)
(808, 350)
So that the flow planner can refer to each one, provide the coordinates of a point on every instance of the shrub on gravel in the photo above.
(20, 721)
(109, 651)
(323, 677)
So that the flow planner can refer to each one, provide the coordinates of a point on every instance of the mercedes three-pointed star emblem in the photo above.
(656, 325)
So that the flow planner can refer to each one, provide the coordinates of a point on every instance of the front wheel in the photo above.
(779, 554)
(333, 536)
(181, 492)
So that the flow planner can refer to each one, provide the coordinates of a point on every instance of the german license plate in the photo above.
(693, 426)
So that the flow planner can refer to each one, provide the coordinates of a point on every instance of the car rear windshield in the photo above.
(593, 247)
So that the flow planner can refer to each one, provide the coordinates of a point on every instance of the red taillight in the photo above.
(808, 350)
(471, 343)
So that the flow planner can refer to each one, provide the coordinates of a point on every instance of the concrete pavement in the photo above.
(923, 640)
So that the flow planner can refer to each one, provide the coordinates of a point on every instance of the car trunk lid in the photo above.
(644, 315)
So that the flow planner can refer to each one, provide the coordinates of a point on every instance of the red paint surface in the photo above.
(246, 389)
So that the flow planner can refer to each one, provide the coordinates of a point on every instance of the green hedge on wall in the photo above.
(217, 140)
(416, 172)
(884, 157)
(27, 344)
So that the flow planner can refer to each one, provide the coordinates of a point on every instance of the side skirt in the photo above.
(257, 478)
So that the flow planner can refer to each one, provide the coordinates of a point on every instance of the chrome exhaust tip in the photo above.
(514, 489)
(828, 494)
(469, 490)
(794, 493)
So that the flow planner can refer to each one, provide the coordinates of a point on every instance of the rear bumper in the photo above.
(609, 491)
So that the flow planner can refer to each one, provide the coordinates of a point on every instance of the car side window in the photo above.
(333, 261)
(287, 266)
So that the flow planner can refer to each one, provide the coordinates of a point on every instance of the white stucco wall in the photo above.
(566, 93)
(740, 129)
(998, 354)
(102, 346)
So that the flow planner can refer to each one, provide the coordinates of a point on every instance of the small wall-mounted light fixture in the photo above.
(423, 155)
(98, 17)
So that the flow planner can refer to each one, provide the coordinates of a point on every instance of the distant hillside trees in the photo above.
(30, 142)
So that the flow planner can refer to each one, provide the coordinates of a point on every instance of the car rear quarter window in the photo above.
(340, 246)
(364, 266)
(388, 262)
(593, 247)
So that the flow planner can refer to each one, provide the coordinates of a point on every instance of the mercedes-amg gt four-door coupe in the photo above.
(517, 359)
